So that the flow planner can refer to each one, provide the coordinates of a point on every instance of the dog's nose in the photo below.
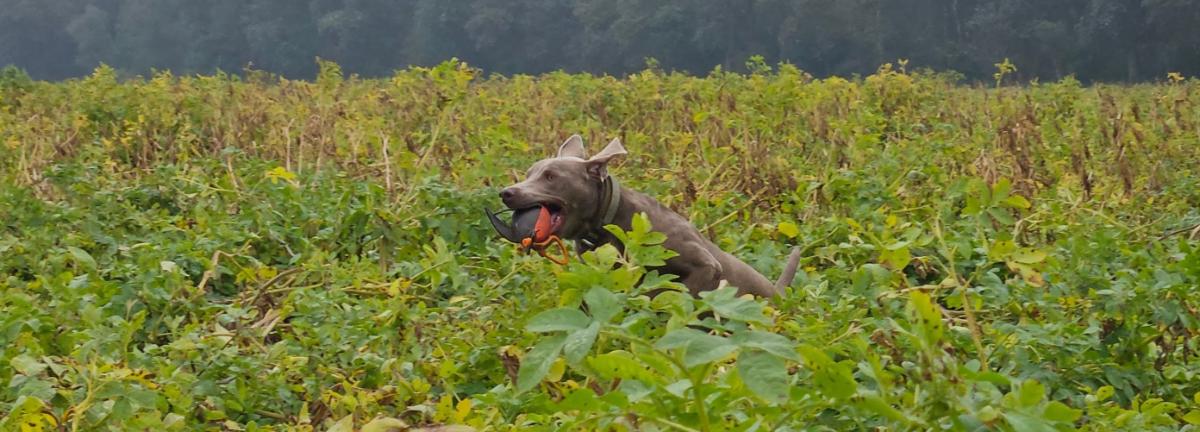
(507, 194)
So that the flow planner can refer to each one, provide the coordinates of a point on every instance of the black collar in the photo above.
(610, 194)
(606, 212)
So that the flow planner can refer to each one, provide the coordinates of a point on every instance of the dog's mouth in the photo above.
(537, 222)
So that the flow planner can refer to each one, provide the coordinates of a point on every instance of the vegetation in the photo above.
(1094, 40)
(255, 253)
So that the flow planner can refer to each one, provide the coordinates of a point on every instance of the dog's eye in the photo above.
(549, 175)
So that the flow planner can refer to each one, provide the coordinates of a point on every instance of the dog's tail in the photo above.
(789, 271)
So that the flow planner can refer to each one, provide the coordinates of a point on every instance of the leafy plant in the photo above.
(217, 252)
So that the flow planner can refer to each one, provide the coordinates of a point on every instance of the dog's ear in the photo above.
(572, 147)
(597, 166)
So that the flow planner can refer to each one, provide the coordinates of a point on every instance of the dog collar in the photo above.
(610, 195)
(614, 201)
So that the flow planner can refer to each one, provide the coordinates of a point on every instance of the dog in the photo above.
(582, 198)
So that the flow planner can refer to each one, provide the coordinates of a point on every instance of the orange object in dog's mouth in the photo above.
(534, 228)
(537, 223)
(550, 220)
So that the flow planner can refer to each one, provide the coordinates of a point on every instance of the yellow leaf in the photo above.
(556, 370)
(280, 173)
(1031, 276)
(303, 416)
(1029, 256)
(265, 273)
(462, 410)
(444, 409)
(346, 424)
(789, 229)
(1017, 201)
(853, 224)
(385, 424)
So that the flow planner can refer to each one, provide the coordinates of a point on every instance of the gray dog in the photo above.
(582, 198)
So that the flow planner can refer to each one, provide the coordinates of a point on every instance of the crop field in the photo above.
(253, 253)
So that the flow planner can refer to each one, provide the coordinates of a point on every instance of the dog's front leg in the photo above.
(699, 269)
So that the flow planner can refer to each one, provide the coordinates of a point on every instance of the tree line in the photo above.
(1105, 40)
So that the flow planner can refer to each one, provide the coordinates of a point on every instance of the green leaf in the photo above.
(653, 238)
(1031, 393)
(989, 376)
(677, 302)
(619, 364)
(560, 319)
(973, 206)
(654, 280)
(833, 379)
(725, 303)
(1000, 215)
(640, 225)
(635, 390)
(1192, 417)
(82, 257)
(579, 342)
(678, 388)
(604, 257)
(602, 304)
(698, 347)
(27, 365)
(877, 405)
(536, 363)
(617, 232)
(1025, 423)
(35, 387)
(583, 399)
(1001, 250)
(773, 343)
(764, 374)
(142, 398)
(988, 414)
(1000, 190)
(1060, 412)
(927, 316)
(789, 229)
(897, 259)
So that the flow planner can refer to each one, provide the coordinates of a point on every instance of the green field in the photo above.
(251, 253)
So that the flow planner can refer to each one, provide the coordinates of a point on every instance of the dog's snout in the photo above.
(507, 194)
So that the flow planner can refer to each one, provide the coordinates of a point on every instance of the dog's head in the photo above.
(569, 185)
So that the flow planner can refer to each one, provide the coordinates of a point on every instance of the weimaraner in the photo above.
(582, 198)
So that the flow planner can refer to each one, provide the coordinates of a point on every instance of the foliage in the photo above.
(219, 252)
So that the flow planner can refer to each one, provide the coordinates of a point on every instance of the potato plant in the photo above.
(253, 253)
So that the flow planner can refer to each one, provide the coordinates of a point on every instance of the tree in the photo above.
(1092, 39)
(33, 35)
(281, 37)
(365, 36)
